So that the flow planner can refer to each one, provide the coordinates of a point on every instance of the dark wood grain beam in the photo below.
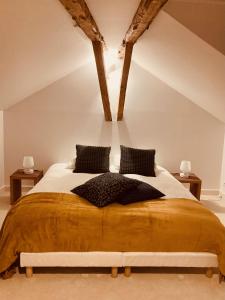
(146, 12)
(124, 79)
(81, 14)
(99, 59)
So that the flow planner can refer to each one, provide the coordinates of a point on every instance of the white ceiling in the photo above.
(187, 64)
(113, 18)
(39, 44)
(206, 18)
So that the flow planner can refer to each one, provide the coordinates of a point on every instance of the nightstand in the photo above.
(16, 179)
(193, 180)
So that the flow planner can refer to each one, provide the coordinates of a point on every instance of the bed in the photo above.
(59, 180)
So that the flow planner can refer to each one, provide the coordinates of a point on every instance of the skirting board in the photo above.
(209, 192)
(25, 188)
(2, 187)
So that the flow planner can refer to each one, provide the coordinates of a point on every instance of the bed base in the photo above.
(119, 259)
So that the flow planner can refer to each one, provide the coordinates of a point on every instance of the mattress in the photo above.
(61, 179)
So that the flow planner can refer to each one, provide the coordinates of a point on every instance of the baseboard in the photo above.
(209, 192)
(2, 188)
(24, 187)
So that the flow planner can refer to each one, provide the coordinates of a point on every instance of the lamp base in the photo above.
(185, 175)
(28, 171)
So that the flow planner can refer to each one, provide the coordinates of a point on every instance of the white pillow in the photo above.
(71, 164)
(116, 162)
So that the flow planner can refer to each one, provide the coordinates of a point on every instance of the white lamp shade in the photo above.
(185, 167)
(28, 164)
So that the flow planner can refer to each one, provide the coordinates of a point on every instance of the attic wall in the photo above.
(185, 62)
(223, 173)
(48, 124)
(204, 18)
(159, 117)
(41, 45)
(1, 151)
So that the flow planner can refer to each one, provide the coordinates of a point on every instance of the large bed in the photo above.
(178, 214)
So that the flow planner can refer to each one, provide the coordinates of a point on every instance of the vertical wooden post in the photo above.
(124, 79)
(99, 59)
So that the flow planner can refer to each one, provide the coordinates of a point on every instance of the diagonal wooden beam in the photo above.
(146, 12)
(99, 59)
(124, 79)
(80, 12)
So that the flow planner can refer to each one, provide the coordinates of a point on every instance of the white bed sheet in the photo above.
(60, 179)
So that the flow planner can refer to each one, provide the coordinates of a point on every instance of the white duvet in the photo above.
(60, 179)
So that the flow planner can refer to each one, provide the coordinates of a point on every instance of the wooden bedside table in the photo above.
(193, 180)
(16, 179)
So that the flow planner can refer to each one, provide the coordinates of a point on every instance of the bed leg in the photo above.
(29, 272)
(221, 277)
(209, 272)
(127, 271)
(114, 272)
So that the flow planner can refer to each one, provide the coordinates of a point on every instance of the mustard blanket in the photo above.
(47, 222)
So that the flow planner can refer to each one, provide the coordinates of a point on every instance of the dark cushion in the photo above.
(137, 161)
(105, 189)
(143, 191)
(92, 159)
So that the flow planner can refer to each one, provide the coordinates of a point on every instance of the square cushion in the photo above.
(105, 189)
(137, 161)
(143, 191)
(92, 159)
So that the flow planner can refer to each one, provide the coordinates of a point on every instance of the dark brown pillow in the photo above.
(137, 161)
(92, 159)
(105, 189)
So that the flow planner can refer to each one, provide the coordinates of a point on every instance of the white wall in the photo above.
(48, 124)
(158, 116)
(1, 150)
(185, 62)
(204, 18)
(223, 173)
(40, 46)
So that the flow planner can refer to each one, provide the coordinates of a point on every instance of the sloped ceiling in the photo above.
(113, 18)
(185, 62)
(39, 45)
(206, 18)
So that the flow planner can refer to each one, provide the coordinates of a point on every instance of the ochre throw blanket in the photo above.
(47, 222)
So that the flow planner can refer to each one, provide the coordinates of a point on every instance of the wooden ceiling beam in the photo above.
(146, 12)
(81, 14)
(124, 79)
(99, 59)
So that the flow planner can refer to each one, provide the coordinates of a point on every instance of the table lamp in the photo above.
(28, 164)
(185, 168)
